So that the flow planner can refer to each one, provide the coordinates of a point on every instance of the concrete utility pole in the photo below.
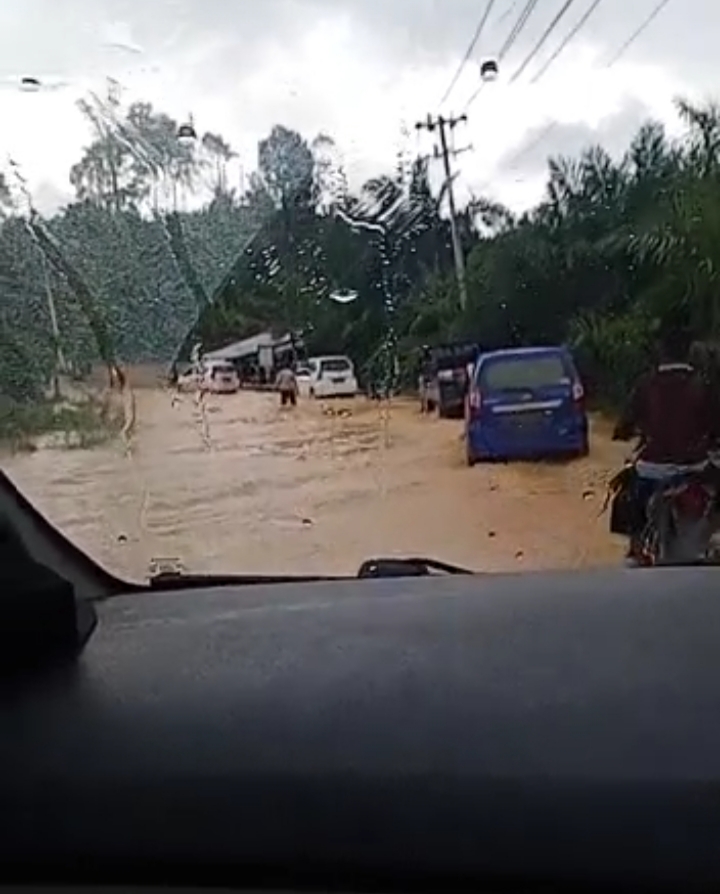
(442, 124)
(60, 365)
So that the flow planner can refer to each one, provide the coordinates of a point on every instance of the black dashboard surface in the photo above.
(519, 728)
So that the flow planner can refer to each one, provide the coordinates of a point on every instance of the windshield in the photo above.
(386, 188)
(524, 372)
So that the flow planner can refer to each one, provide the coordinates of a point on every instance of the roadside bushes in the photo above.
(24, 426)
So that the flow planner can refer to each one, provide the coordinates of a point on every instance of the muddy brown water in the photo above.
(247, 487)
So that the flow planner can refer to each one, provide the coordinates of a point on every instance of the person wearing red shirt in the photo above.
(672, 412)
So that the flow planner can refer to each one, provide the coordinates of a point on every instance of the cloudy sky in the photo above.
(363, 71)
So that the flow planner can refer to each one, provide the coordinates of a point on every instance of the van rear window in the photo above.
(524, 372)
(336, 364)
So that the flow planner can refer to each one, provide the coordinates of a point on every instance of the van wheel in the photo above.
(470, 459)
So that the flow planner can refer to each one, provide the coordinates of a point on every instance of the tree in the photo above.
(220, 153)
(107, 174)
(330, 182)
(287, 166)
(616, 250)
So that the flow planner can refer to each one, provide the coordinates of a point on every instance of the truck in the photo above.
(444, 377)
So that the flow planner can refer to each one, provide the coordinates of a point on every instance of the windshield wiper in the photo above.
(382, 567)
(408, 567)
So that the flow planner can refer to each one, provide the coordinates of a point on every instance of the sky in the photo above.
(362, 71)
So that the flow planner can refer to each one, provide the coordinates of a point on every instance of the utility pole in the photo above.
(442, 124)
(60, 365)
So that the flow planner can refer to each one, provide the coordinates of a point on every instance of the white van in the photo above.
(331, 376)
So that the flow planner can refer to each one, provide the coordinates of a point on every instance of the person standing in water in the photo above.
(286, 383)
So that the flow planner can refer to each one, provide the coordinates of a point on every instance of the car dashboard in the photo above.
(398, 731)
(520, 730)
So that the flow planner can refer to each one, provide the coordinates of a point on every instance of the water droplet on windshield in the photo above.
(30, 85)
(343, 296)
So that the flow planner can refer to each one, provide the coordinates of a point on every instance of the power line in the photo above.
(634, 36)
(508, 12)
(569, 37)
(515, 31)
(645, 24)
(473, 43)
(543, 37)
(474, 96)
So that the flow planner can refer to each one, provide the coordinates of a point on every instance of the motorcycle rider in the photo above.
(705, 358)
(671, 411)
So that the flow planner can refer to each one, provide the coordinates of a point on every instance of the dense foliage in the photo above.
(617, 250)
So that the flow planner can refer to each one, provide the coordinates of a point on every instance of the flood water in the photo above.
(247, 487)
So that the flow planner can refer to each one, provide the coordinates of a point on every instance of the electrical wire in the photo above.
(468, 53)
(634, 36)
(543, 37)
(515, 31)
(508, 12)
(473, 97)
(645, 24)
(580, 24)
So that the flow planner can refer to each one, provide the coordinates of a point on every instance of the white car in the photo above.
(331, 376)
(220, 377)
(215, 376)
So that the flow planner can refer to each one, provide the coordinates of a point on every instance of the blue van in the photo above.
(525, 403)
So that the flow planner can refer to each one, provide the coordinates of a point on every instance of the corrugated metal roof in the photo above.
(248, 346)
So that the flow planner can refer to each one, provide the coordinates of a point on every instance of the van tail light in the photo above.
(474, 402)
(578, 395)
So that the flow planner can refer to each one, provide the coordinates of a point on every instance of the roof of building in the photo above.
(249, 346)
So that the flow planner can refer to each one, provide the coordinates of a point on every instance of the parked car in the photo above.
(525, 403)
(444, 378)
(215, 376)
(220, 377)
(332, 376)
(303, 374)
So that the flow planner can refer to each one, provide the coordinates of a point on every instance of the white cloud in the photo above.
(119, 36)
(335, 76)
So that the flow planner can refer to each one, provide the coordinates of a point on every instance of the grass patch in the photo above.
(24, 427)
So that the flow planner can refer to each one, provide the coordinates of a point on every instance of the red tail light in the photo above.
(578, 394)
(474, 401)
(691, 501)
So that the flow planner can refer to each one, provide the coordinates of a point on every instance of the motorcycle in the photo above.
(680, 518)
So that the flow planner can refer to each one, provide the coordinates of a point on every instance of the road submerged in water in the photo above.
(247, 487)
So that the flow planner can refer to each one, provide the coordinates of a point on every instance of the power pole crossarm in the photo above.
(441, 124)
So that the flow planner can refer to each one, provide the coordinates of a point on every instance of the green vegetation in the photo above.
(80, 425)
(616, 251)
